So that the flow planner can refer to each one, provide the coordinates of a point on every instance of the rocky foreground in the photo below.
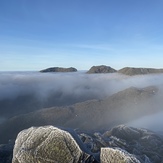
(121, 144)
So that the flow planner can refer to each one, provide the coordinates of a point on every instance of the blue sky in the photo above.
(36, 34)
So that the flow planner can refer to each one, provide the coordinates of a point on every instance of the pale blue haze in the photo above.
(36, 34)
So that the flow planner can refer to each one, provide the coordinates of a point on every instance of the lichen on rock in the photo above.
(116, 155)
(46, 145)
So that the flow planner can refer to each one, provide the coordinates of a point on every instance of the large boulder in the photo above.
(47, 144)
(139, 71)
(101, 69)
(59, 69)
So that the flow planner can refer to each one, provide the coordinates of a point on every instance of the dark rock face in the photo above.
(59, 69)
(6, 152)
(125, 132)
(145, 147)
(101, 69)
(139, 71)
(51, 144)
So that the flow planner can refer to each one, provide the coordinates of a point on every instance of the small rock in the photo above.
(116, 155)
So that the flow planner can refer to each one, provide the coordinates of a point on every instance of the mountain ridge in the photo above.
(121, 107)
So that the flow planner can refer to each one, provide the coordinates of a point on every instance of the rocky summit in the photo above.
(139, 71)
(51, 144)
(48, 144)
(59, 69)
(101, 69)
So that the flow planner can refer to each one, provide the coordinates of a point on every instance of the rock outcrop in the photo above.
(51, 144)
(59, 69)
(101, 69)
(145, 146)
(47, 144)
(139, 71)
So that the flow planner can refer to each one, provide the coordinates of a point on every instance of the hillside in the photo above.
(139, 71)
(101, 69)
(59, 69)
(121, 107)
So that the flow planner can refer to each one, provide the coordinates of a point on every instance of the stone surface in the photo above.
(50, 144)
(117, 155)
(139, 71)
(59, 69)
(46, 145)
(101, 69)
(125, 132)
(145, 146)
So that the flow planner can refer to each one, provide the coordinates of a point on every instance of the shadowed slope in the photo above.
(121, 107)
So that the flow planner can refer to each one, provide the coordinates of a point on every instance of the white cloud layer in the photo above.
(59, 89)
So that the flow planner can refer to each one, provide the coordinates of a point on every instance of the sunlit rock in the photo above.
(101, 69)
(111, 155)
(47, 144)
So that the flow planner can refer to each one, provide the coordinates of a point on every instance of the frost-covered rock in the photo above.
(47, 145)
(117, 155)
(125, 132)
(143, 144)
(121, 144)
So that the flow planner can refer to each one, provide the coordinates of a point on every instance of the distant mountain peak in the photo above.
(59, 69)
(101, 69)
(139, 71)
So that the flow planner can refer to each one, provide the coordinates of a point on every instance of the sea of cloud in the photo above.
(152, 122)
(60, 89)
(14, 84)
